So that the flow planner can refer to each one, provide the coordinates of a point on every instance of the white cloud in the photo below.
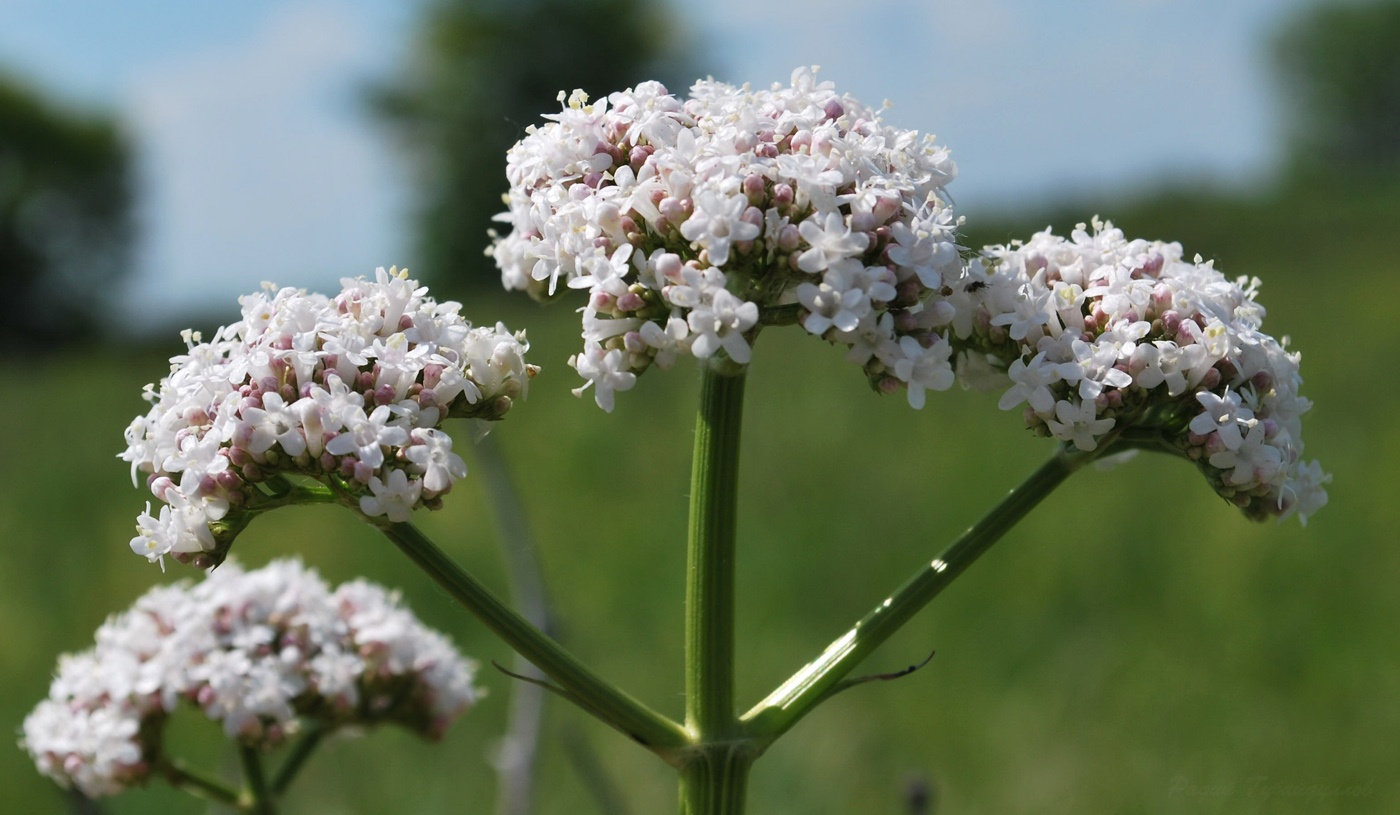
(259, 165)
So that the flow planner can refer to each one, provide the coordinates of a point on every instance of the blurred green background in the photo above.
(1135, 646)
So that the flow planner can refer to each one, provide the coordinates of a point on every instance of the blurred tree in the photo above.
(66, 229)
(1340, 64)
(481, 71)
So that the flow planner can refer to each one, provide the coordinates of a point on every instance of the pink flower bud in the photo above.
(673, 209)
(789, 237)
(754, 188)
(783, 196)
(886, 207)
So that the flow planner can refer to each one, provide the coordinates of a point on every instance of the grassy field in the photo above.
(1135, 646)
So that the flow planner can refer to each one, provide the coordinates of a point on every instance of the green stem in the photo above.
(294, 762)
(715, 781)
(714, 776)
(595, 694)
(808, 687)
(187, 780)
(283, 492)
(709, 607)
(258, 797)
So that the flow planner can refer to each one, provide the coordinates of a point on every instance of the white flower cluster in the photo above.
(261, 652)
(689, 221)
(1099, 334)
(350, 390)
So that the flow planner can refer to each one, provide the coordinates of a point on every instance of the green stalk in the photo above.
(577, 682)
(294, 762)
(713, 778)
(709, 606)
(257, 797)
(807, 688)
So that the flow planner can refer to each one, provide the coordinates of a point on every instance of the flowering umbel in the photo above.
(689, 220)
(1102, 336)
(350, 391)
(266, 653)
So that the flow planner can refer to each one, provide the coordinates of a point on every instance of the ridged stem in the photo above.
(714, 775)
(808, 687)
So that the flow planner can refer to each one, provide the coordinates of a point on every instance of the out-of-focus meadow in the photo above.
(1134, 646)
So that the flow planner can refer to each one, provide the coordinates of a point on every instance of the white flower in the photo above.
(1033, 310)
(1251, 461)
(1304, 493)
(181, 527)
(366, 435)
(923, 368)
(1033, 380)
(721, 324)
(432, 455)
(1078, 423)
(394, 498)
(667, 342)
(1224, 415)
(924, 247)
(275, 422)
(716, 224)
(829, 242)
(603, 368)
(830, 307)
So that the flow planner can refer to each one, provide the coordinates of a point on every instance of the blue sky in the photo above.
(257, 163)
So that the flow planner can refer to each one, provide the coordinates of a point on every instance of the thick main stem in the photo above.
(713, 778)
(709, 607)
(716, 781)
(806, 689)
